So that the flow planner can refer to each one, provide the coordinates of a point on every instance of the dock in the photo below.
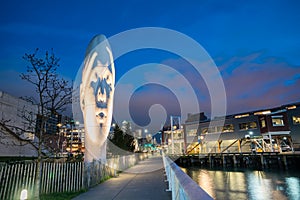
(263, 160)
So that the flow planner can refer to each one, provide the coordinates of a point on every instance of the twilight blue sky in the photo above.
(255, 44)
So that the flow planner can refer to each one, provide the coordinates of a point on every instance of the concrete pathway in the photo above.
(142, 181)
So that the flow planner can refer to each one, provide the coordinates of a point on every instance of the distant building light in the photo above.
(291, 107)
(241, 116)
(263, 112)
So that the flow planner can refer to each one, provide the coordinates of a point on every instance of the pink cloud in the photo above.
(259, 82)
(251, 81)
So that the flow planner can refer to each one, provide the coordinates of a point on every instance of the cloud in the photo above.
(255, 81)
(252, 81)
(151, 84)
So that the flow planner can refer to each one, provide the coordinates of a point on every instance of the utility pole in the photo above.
(172, 118)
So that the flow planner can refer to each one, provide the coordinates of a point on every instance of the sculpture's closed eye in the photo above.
(101, 87)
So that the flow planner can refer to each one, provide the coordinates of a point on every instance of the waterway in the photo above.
(247, 184)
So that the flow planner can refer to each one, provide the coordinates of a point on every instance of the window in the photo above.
(252, 125)
(192, 132)
(248, 125)
(277, 120)
(228, 128)
(296, 119)
(241, 116)
(262, 122)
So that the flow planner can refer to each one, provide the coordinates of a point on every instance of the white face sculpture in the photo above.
(96, 96)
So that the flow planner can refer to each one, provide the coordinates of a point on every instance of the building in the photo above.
(71, 137)
(20, 118)
(51, 122)
(18, 115)
(269, 130)
(293, 115)
(173, 136)
(175, 140)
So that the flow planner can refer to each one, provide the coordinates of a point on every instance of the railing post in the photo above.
(181, 185)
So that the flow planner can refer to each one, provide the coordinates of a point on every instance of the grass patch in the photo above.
(61, 196)
(105, 179)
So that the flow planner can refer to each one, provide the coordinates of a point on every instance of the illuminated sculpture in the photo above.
(96, 97)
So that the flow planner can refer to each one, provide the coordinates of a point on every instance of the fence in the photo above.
(57, 177)
(95, 171)
(181, 185)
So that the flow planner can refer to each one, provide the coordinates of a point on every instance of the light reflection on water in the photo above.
(252, 185)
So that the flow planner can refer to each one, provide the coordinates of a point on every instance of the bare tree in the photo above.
(53, 94)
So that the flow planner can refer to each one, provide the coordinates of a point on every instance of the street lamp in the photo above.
(24, 194)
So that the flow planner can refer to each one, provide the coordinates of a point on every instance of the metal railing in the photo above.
(181, 185)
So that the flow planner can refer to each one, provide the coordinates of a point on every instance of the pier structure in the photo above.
(267, 130)
(258, 161)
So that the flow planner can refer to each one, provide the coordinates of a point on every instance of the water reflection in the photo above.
(253, 185)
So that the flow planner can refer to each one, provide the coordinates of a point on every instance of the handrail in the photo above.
(193, 148)
(182, 186)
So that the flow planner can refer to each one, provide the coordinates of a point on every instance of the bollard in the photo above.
(262, 161)
(234, 161)
(285, 162)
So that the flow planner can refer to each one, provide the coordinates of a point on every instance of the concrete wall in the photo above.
(11, 111)
(13, 146)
